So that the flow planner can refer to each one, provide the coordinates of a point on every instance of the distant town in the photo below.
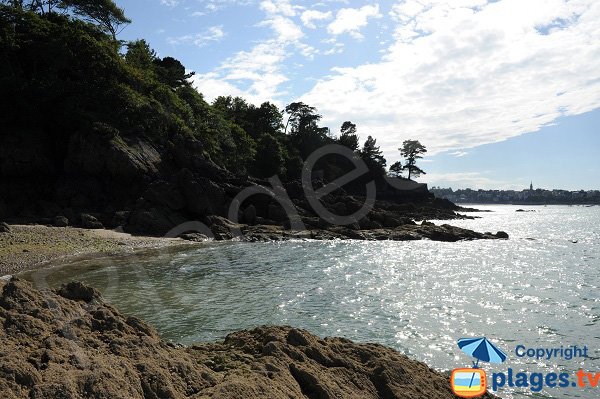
(528, 196)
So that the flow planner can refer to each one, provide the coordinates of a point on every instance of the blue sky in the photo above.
(501, 92)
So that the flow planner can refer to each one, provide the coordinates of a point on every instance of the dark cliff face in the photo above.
(69, 343)
(149, 188)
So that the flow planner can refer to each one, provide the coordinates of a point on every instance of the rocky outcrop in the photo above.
(70, 344)
(98, 154)
(405, 232)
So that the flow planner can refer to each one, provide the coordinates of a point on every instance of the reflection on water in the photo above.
(538, 289)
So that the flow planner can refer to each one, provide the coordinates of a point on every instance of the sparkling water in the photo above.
(538, 289)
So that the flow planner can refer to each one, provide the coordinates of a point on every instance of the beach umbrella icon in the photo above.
(482, 350)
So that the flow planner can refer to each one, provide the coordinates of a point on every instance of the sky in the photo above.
(501, 92)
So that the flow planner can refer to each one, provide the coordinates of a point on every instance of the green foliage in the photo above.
(105, 13)
(305, 133)
(171, 72)
(396, 169)
(256, 121)
(348, 136)
(237, 150)
(293, 167)
(140, 55)
(269, 157)
(373, 157)
(412, 150)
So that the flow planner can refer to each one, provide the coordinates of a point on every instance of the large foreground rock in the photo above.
(70, 344)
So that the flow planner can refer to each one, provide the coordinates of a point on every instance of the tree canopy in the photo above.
(372, 156)
(412, 151)
(103, 12)
(348, 136)
(396, 169)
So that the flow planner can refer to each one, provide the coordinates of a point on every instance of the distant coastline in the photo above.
(515, 197)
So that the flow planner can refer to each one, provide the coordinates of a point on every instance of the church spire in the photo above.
(531, 186)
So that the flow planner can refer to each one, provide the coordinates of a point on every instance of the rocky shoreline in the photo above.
(70, 343)
(24, 247)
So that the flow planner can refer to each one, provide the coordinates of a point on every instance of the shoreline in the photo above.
(30, 247)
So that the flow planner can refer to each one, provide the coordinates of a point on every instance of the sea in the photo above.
(537, 290)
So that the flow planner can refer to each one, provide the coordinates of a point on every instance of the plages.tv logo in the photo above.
(471, 382)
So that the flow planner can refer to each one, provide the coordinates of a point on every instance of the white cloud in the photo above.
(282, 7)
(211, 6)
(169, 3)
(257, 74)
(259, 69)
(285, 29)
(463, 73)
(468, 180)
(211, 34)
(351, 20)
(314, 15)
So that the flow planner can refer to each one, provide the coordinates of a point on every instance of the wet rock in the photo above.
(366, 224)
(196, 237)
(78, 292)
(393, 221)
(502, 234)
(223, 228)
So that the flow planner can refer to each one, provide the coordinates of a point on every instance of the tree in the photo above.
(140, 55)
(396, 169)
(269, 158)
(300, 114)
(372, 156)
(267, 119)
(411, 150)
(105, 13)
(305, 133)
(172, 72)
(39, 6)
(348, 136)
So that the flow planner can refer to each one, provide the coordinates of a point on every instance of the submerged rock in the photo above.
(70, 344)
(502, 234)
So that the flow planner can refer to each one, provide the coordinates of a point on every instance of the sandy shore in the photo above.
(29, 246)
